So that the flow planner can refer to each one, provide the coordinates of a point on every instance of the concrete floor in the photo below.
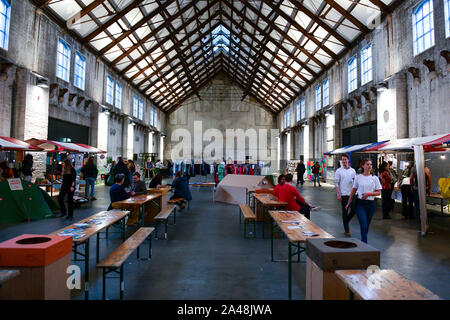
(206, 256)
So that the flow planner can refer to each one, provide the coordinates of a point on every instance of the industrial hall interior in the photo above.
(224, 150)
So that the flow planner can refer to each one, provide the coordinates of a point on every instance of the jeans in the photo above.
(386, 202)
(365, 210)
(62, 193)
(347, 215)
(316, 176)
(90, 183)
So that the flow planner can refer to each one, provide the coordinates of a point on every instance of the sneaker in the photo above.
(93, 198)
(314, 208)
(347, 234)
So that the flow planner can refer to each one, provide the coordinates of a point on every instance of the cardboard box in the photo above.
(341, 254)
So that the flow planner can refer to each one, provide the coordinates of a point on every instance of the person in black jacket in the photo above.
(117, 191)
(156, 181)
(90, 173)
(120, 167)
(300, 172)
(67, 188)
(27, 167)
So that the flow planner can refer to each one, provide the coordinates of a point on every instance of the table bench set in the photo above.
(297, 229)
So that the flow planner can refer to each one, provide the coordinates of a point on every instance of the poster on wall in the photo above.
(292, 166)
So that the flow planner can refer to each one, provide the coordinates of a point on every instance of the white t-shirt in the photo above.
(365, 184)
(343, 179)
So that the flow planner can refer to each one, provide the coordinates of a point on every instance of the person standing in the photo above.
(368, 187)
(386, 192)
(120, 167)
(90, 173)
(407, 193)
(316, 172)
(343, 180)
(415, 186)
(27, 167)
(221, 171)
(300, 172)
(67, 188)
(131, 169)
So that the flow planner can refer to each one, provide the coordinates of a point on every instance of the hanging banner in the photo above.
(15, 184)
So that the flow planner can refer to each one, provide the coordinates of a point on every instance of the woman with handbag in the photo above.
(407, 194)
(67, 188)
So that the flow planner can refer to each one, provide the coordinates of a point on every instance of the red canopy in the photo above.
(429, 143)
(93, 150)
(8, 143)
(49, 145)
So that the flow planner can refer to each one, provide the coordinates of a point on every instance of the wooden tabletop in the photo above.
(139, 200)
(203, 184)
(435, 195)
(383, 285)
(6, 275)
(269, 199)
(105, 219)
(297, 235)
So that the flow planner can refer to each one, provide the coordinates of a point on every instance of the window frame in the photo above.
(327, 102)
(118, 97)
(75, 75)
(415, 23)
(5, 43)
(303, 107)
(69, 57)
(298, 110)
(318, 95)
(108, 77)
(140, 109)
(351, 71)
(363, 61)
(135, 106)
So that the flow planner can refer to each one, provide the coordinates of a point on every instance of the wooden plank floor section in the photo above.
(384, 285)
(118, 257)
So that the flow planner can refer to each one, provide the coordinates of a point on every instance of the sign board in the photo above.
(15, 184)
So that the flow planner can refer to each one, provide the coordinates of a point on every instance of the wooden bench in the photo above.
(116, 259)
(163, 216)
(176, 200)
(248, 214)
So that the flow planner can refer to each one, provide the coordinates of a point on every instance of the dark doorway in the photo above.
(365, 133)
(59, 130)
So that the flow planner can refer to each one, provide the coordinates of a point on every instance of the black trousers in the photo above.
(66, 191)
(347, 214)
(407, 201)
(300, 178)
(386, 202)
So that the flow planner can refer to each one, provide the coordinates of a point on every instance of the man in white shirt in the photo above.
(343, 180)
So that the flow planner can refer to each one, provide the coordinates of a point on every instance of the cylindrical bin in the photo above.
(42, 261)
(324, 256)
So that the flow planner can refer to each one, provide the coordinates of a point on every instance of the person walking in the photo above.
(343, 180)
(300, 172)
(67, 188)
(90, 173)
(386, 192)
(27, 167)
(316, 172)
(368, 187)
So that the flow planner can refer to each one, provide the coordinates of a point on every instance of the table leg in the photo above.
(104, 285)
(86, 270)
(352, 295)
(289, 270)
(122, 285)
(123, 229)
(271, 238)
(149, 247)
(142, 215)
(263, 219)
(442, 206)
(97, 249)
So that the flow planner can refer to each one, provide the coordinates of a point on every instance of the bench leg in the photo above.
(156, 229)
(175, 216)
(165, 236)
(107, 233)
(137, 251)
(245, 228)
(98, 248)
(254, 228)
(149, 247)
(122, 285)
(240, 219)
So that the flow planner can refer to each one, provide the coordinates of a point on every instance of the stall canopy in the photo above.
(355, 148)
(12, 144)
(49, 145)
(429, 143)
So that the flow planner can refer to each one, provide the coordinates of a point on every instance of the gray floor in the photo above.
(206, 256)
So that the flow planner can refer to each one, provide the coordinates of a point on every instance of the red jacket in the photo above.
(289, 194)
(276, 190)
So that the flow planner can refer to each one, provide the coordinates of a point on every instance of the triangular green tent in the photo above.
(23, 205)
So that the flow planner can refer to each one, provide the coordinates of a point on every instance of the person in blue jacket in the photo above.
(181, 189)
(117, 191)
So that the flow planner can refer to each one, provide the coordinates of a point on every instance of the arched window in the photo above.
(423, 26)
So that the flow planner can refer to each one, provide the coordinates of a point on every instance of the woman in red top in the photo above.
(386, 191)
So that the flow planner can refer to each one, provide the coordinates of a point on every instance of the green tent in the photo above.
(24, 205)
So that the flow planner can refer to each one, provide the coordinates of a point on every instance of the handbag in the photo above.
(406, 181)
(110, 180)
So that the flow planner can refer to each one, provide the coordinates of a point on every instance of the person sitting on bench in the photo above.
(156, 181)
(295, 201)
(138, 187)
(281, 181)
(117, 191)
(179, 186)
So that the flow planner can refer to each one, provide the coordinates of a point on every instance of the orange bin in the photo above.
(42, 261)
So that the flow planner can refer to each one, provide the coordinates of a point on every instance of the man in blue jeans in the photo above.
(316, 171)
(90, 173)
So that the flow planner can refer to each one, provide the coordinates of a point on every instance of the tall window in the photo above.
(5, 16)
(366, 64)
(326, 93)
(297, 113)
(423, 27)
(303, 107)
(352, 74)
(318, 97)
(118, 95)
(155, 118)
(135, 107)
(109, 90)
(141, 110)
(447, 17)
(287, 118)
(80, 71)
(63, 61)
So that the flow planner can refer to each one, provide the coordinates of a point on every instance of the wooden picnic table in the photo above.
(437, 195)
(105, 220)
(206, 184)
(138, 202)
(286, 222)
(268, 202)
(383, 285)
(6, 275)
